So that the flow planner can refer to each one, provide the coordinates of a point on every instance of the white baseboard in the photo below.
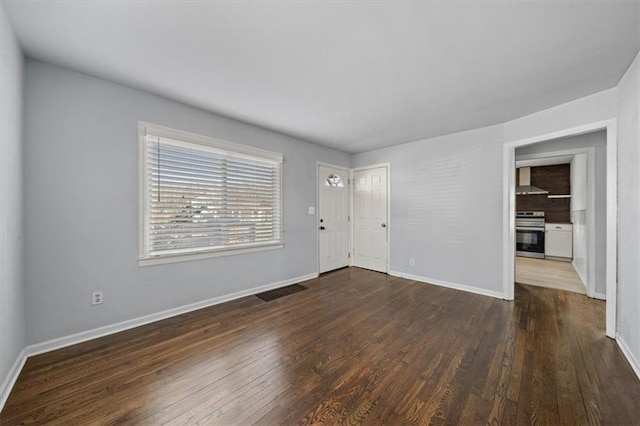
(84, 336)
(628, 354)
(582, 278)
(447, 284)
(61, 342)
(10, 380)
(600, 296)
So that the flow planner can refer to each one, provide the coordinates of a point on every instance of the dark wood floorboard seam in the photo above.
(354, 347)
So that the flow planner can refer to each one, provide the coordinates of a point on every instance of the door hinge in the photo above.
(348, 218)
(348, 255)
(349, 181)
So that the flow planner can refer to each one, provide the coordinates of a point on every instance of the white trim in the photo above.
(509, 225)
(612, 227)
(591, 222)
(12, 376)
(447, 284)
(582, 278)
(232, 148)
(589, 281)
(375, 166)
(142, 190)
(372, 166)
(508, 234)
(316, 218)
(352, 234)
(186, 257)
(106, 330)
(600, 296)
(317, 215)
(635, 364)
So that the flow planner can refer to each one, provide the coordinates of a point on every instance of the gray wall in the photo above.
(629, 210)
(81, 159)
(597, 140)
(446, 194)
(446, 207)
(12, 320)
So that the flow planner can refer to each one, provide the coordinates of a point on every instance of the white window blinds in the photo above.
(205, 198)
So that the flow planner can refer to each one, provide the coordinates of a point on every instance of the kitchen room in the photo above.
(561, 214)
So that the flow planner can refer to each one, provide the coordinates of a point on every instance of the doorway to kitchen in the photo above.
(557, 222)
(564, 234)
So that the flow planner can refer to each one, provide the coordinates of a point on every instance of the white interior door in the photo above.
(333, 218)
(370, 218)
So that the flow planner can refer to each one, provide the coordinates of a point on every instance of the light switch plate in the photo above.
(312, 210)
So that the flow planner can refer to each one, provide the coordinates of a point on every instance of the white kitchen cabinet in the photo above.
(558, 240)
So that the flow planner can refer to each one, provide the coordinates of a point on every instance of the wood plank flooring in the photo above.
(548, 273)
(356, 347)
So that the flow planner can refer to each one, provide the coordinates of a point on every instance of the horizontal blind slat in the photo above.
(196, 158)
(209, 168)
(184, 163)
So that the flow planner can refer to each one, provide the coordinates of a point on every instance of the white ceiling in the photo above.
(350, 75)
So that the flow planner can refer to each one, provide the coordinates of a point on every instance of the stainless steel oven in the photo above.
(530, 234)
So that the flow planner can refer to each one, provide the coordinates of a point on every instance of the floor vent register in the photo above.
(270, 295)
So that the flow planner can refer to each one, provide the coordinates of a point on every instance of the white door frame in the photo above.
(352, 197)
(317, 209)
(591, 190)
(509, 210)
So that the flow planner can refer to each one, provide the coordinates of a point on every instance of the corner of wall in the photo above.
(12, 294)
(631, 358)
(628, 294)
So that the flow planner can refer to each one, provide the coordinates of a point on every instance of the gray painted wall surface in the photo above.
(12, 319)
(446, 194)
(597, 140)
(629, 209)
(81, 159)
(446, 207)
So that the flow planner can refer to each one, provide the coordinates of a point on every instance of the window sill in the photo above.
(185, 257)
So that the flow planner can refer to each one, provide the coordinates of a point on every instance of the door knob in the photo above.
(384, 225)
(322, 228)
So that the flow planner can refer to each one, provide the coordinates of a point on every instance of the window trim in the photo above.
(224, 147)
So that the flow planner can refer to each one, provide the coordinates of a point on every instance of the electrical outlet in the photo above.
(412, 262)
(97, 298)
(312, 210)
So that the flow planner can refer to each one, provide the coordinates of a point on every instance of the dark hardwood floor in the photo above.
(356, 347)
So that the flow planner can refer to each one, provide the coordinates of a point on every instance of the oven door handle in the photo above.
(529, 229)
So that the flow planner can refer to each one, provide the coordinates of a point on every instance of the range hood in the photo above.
(525, 187)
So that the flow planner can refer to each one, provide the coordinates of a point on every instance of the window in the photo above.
(203, 197)
(334, 180)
